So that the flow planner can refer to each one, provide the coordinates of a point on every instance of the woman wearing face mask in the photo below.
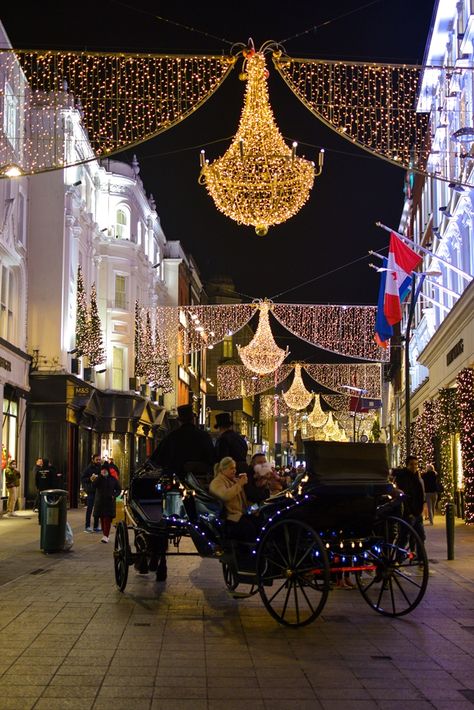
(107, 489)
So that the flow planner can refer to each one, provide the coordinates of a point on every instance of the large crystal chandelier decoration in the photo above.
(297, 396)
(262, 355)
(259, 181)
(317, 418)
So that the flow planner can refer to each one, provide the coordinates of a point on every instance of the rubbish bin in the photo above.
(53, 515)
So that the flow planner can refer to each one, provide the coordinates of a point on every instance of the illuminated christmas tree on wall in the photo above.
(81, 313)
(94, 347)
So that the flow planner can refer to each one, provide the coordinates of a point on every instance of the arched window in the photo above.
(122, 226)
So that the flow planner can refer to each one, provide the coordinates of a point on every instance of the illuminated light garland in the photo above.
(259, 181)
(317, 418)
(376, 106)
(262, 355)
(297, 396)
(346, 330)
(335, 377)
(272, 406)
(338, 402)
(465, 399)
(235, 381)
(119, 99)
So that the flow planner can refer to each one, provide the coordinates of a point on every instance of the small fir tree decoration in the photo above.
(465, 397)
(81, 313)
(94, 347)
(376, 430)
(138, 370)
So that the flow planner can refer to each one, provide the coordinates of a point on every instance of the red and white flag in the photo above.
(402, 261)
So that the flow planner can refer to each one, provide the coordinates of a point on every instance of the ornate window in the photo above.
(122, 224)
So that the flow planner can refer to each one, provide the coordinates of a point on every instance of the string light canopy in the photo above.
(384, 108)
(336, 377)
(259, 181)
(235, 381)
(297, 396)
(262, 355)
(116, 100)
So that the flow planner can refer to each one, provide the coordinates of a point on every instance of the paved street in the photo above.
(70, 640)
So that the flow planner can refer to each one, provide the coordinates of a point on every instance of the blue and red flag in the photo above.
(402, 261)
(383, 330)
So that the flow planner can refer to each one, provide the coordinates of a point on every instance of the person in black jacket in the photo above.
(409, 481)
(92, 469)
(106, 488)
(430, 482)
(230, 443)
(187, 449)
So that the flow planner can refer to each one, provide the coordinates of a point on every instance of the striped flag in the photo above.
(402, 261)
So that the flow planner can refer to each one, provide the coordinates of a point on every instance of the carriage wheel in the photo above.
(230, 579)
(399, 583)
(122, 555)
(292, 573)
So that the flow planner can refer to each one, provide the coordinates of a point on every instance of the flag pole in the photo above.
(460, 272)
(415, 293)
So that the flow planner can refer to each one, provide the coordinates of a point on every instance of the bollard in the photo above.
(450, 530)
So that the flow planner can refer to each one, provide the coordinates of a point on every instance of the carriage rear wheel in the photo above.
(122, 555)
(293, 573)
(399, 581)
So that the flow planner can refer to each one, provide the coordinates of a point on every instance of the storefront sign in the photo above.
(5, 364)
(455, 352)
(81, 391)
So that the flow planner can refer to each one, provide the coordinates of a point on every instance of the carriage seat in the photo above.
(206, 504)
(146, 495)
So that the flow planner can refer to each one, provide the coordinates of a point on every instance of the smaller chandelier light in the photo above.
(259, 181)
(317, 418)
(297, 396)
(262, 355)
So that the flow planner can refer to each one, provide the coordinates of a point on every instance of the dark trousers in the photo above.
(106, 525)
(245, 529)
(416, 521)
(89, 509)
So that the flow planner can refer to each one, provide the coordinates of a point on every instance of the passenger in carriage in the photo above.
(229, 488)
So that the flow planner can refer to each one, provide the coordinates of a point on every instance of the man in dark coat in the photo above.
(93, 469)
(106, 489)
(230, 443)
(409, 481)
(187, 449)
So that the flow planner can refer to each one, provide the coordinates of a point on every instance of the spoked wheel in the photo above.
(293, 573)
(229, 577)
(122, 555)
(399, 582)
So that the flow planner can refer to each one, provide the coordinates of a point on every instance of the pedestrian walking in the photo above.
(45, 479)
(410, 482)
(430, 481)
(106, 488)
(114, 469)
(92, 469)
(12, 480)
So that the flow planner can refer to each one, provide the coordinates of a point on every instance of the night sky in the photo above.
(337, 225)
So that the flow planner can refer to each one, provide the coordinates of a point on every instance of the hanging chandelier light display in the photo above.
(317, 418)
(262, 355)
(259, 181)
(297, 396)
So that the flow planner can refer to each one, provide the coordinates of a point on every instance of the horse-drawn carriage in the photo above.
(343, 517)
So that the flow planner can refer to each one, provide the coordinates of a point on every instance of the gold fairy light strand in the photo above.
(383, 108)
(346, 330)
(235, 381)
(259, 181)
(119, 99)
(317, 418)
(338, 376)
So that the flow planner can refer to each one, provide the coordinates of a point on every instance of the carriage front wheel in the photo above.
(399, 581)
(122, 555)
(292, 572)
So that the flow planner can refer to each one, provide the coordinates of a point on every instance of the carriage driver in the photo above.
(228, 486)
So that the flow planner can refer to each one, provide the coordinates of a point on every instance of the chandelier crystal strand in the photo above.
(297, 396)
(317, 418)
(259, 181)
(262, 355)
(119, 99)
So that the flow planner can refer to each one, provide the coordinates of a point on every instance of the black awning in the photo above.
(114, 411)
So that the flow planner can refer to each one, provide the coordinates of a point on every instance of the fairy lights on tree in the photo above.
(81, 313)
(93, 347)
(465, 398)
